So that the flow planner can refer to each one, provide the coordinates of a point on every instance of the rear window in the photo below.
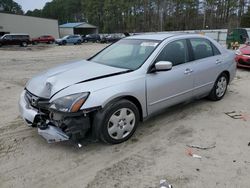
(20, 37)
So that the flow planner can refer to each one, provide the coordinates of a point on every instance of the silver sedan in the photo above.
(107, 95)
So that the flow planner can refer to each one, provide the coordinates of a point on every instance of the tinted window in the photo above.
(17, 37)
(175, 52)
(20, 37)
(8, 37)
(202, 48)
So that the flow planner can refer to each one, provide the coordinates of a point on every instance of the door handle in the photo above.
(188, 71)
(218, 61)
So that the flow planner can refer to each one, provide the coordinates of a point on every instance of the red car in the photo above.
(44, 39)
(243, 56)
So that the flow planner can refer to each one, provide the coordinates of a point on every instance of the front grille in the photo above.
(36, 102)
(31, 99)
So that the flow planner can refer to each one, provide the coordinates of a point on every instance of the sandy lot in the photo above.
(157, 151)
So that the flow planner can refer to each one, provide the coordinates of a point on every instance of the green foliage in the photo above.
(148, 15)
(10, 6)
(245, 21)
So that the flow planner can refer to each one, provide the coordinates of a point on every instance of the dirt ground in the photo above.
(157, 150)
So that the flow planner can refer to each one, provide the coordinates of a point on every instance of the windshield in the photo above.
(128, 53)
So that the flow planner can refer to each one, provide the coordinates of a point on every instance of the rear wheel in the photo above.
(79, 42)
(24, 44)
(220, 88)
(117, 122)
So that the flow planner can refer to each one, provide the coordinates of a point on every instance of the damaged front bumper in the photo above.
(54, 126)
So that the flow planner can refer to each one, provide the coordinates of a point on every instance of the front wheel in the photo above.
(220, 88)
(117, 122)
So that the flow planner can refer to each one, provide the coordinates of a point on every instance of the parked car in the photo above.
(243, 56)
(107, 95)
(44, 39)
(91, 38)
(112, 38)
(69, 39)
(15, 39)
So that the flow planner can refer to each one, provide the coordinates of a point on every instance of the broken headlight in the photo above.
(69, 103)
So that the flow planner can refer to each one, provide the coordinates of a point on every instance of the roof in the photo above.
(157, 36)
(77, 25)
(162, 36)
(16, 34)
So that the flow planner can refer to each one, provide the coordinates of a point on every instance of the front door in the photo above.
(174, 86)
(7, 40)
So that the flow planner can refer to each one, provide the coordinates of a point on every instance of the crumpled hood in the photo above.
(48, 83)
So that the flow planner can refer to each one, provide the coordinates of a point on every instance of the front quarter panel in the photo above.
(103, 91)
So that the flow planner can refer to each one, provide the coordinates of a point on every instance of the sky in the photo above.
(32, 4)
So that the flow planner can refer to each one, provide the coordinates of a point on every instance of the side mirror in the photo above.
(162, 66)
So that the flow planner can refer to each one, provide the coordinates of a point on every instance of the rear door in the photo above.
(17, 39)
(206, 65)
(167, 88)
(43, 39)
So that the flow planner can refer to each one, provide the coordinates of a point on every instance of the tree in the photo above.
(10, 6)
(148, 15)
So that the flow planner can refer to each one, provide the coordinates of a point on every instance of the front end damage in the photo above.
(53, 125)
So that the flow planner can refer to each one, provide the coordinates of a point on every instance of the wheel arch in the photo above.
(132, 99)
(227, 73)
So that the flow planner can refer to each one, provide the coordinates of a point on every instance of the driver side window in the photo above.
(175, 52)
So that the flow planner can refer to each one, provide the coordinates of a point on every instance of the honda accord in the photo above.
(107, 95)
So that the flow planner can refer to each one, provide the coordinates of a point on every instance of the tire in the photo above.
(220, 88)
(64, 42)
(34, 43)
(79, 42)
(117, 122)
(24, 44)
(1, 44)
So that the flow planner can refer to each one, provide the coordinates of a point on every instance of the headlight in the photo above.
(238, 52)
(70, 103)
